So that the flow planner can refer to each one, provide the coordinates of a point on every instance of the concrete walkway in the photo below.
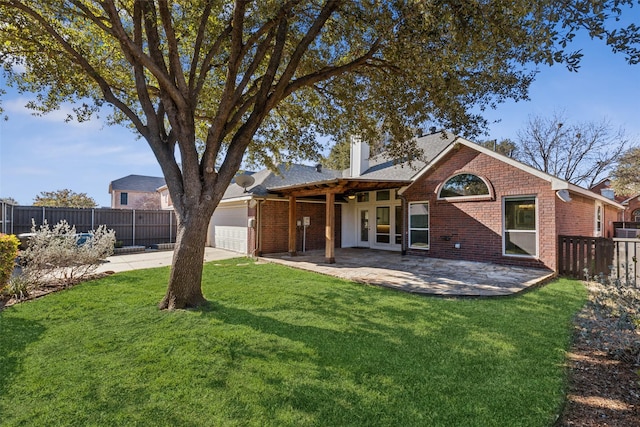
(419, 274)
(152, 259)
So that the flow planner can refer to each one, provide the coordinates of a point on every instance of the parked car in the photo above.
(81, 239)
(24, 240)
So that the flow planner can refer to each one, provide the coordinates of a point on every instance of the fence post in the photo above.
(44, 216)
(133, 211)
(93, 218)
(170, 224)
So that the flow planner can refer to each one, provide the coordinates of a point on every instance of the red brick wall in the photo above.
(611, 214)
(477, 225)
(634, 204)
(577, 217)
(275, 226)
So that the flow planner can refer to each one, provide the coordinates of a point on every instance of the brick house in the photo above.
(458, 201)
(631, 203)
(137, 192)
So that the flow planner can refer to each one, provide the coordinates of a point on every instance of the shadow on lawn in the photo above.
(15, 335)
(402, 360)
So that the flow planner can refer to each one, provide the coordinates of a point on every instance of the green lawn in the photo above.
(281, 347)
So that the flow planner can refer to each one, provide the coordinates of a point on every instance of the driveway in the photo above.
(419, 274)
(152, 259)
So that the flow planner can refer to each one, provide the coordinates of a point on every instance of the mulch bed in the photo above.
(604, 376)
(49, 288)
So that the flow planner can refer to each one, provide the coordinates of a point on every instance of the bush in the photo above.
(614, 309)
(17, 288)
(58, 253)
(8, 253)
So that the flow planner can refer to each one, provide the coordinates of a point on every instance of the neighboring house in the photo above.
(459, 201)
(137, 192)
(631, 203)
(632, 208)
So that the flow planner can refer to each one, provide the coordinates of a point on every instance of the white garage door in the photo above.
(229, 229)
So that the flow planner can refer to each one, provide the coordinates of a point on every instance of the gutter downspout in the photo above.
(403, 239)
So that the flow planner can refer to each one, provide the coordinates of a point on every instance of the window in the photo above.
(362, 197)
(383, 225)
(124, 198)
(419, 225)
(398, 237)
(635, 216)
(464, 185)
(383, 195)
(520, 231)
(598, 224)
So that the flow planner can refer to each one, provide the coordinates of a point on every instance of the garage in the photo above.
(228, 228)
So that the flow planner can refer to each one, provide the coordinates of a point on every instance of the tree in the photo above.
(626, 175)
(64, 199)
(9, 200)
(581, 153)
(506, 147)
(217, 80)
(339, 156)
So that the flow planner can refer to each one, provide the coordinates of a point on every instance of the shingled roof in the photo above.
(141, 183)
(384, 167)
(285, 176)
(381, 168)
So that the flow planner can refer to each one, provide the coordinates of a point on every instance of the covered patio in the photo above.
(330, 190)
(418, 274)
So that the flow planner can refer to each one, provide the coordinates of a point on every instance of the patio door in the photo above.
(364, 229)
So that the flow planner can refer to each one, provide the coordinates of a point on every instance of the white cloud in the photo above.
(18, 107)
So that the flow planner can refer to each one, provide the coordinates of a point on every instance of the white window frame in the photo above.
(597, 226)
(505, 230)
(409, 228)
(488, 196)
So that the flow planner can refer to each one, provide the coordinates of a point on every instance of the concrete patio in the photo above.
(418, 274)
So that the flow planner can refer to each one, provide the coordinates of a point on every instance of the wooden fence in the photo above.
(132, 227)
(597, 255)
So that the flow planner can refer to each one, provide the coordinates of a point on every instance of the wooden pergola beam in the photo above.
(330, 223)
(292, 226)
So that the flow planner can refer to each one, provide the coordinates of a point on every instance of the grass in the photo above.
(281, 347)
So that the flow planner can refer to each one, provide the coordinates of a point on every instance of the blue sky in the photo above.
(46, 154)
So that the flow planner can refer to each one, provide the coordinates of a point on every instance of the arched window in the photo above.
(635, 215)
(464, 185)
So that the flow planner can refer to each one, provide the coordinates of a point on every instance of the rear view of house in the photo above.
(458, 200)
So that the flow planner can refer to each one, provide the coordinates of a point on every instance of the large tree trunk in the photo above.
(185, 290)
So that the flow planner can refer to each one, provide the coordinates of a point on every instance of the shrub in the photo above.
(58, 253)
(614, 308)
(8, 253)
(18, 288)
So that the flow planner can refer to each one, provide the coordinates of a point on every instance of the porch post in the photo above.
(329, 233)
(292, 226)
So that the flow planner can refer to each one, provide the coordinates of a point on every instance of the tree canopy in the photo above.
(626, 175)
(581, 153)
(208, 82)
(64, 198)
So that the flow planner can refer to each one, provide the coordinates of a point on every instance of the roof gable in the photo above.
(555, 182)
(141, 183)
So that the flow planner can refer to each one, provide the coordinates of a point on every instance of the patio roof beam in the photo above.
(329, 235)
(292, 226)
(338, 186)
